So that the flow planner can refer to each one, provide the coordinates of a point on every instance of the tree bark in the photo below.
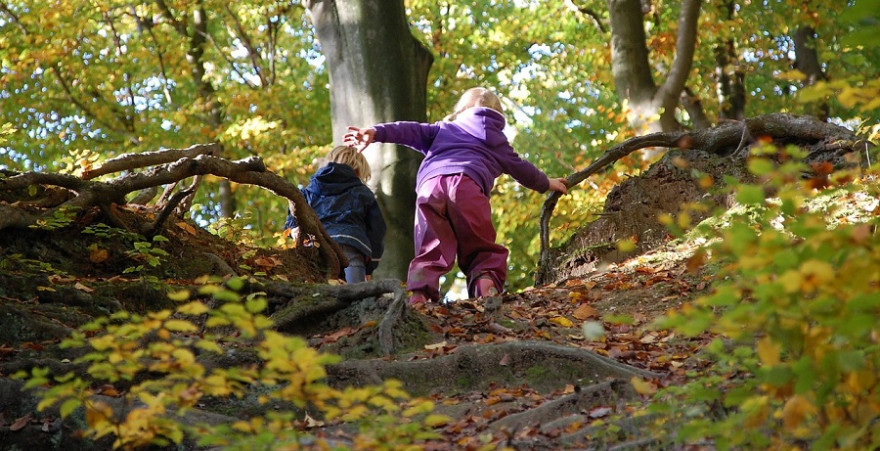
(807, 61)
(729, 77)
(378, 73)
(650, 108)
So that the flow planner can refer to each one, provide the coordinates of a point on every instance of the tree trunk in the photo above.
(729, 77)
(378, 73)
(650, 108)
(807, 61)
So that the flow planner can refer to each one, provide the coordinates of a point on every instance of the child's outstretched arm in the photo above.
(359, 138)
(559, 184)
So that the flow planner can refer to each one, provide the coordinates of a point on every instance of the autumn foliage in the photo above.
(146, 373)
(794, 313)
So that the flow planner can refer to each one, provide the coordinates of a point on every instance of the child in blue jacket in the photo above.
(348, 210)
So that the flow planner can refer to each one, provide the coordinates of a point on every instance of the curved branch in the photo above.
(597, 19)
(250, 171)
(130, 161)
(610, 156)
(724, 140)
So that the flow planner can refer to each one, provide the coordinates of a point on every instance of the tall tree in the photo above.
(378, 73)
(649, 107)
(83, 81)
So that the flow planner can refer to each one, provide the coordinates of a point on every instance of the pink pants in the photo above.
(453, 218)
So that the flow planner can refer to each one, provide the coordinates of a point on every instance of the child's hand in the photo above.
(359, 138)
(559, 185)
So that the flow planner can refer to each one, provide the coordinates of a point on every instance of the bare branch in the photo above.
(253, 52)
(130, 161)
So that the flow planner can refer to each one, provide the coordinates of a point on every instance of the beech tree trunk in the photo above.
(378, 73)
(651, 108)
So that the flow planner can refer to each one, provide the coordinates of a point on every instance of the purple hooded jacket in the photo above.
(473, 144)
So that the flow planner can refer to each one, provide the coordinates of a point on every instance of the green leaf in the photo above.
(750, 195)
(68, 406)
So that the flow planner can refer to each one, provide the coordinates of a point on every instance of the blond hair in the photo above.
(476, 97)
(351, 157)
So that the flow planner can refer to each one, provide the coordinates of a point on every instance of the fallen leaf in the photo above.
(189, 228)
(335, 336)
(642, 386)
(20, 423)
(585, 311)
(312, 423)
(505, 360)
(434, 346)
(562, 321)
(600, 412)
(82, 287)
(109, 390)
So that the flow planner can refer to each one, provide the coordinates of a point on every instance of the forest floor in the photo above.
(618, 302)
(622, 300)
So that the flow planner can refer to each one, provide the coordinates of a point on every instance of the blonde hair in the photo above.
(351, 157)
(475, 97)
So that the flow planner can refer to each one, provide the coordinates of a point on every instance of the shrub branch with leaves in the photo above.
(794, 310)
(153, 365)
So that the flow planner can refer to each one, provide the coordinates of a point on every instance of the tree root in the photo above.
(544, 367)
(602, 393)
(298, 306)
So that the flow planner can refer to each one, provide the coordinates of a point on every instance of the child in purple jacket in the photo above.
(464, 154)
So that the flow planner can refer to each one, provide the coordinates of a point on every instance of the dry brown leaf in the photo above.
(585, 311)
(82, 287)
(20, 423)
(189, 228)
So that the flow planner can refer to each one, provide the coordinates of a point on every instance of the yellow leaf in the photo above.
(792, 75)
(435, 420)
(768, 351)
(209, 345)
(180, 295)
(791, 281)
(819, 270)
(796, 410)
(642, 386)
(193, 308)
(562, 321)
(180, 325)
(98, 414)
(626, 245)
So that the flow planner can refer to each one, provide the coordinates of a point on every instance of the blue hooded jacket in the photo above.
(347, 209)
